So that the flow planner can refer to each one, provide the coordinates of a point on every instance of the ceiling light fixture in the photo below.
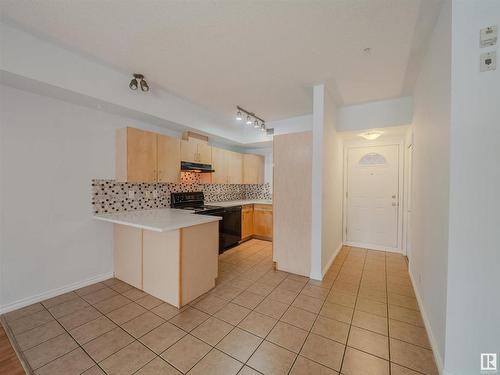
(372, 135)
(251, 118)
(137, 81)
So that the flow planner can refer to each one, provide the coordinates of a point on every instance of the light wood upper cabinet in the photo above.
(136, 155)
(196, 152)
(228, 166)
(219, 164)
(263, 220)
(204, 153)
(169, 159)
(140, 154)
(253, 169)
(235, 168)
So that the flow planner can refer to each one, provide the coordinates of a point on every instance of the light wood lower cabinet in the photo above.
(257, 221)
(175, 266)
(263, 220)
(246, 221)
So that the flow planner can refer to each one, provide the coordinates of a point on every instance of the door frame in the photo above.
(399, 142)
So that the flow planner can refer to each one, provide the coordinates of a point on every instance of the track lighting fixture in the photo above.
(144, 86)
(138, 80)
(133, 84)
(251, 118)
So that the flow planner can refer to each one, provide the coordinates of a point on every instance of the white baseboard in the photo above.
(432, 339)
(374, 247)
(332, 259)
(52, 293)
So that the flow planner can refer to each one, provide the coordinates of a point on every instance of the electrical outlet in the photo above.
(147, 194)
(488, 61)
(155, 194)
(131, 194)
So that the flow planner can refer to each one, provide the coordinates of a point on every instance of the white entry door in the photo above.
(373, 196)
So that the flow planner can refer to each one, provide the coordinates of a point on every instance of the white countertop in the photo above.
(240, 203)
(157, 220)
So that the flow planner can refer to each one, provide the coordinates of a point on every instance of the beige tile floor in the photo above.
(362, 319)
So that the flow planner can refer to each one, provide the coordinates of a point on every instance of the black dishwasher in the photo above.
(229, 226)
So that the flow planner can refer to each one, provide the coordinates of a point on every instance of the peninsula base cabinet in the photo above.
(175, 266)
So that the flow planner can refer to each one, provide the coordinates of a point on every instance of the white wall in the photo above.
(327, 185)
(50, 150)
(429, 254)
(473, 319)
(60, 72)
(379, 114)
(331, 236)
(317, 180)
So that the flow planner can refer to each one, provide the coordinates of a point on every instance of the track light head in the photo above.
(256, 124)
(238, 116)
(133, 84)
(249, 120)
(144, 85)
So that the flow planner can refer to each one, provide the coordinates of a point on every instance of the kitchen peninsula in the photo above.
(171, 254)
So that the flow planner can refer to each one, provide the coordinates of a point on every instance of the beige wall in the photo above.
(292, 202)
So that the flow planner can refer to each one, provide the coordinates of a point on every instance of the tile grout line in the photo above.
(211, 315)
(317, 316)
(354, 309)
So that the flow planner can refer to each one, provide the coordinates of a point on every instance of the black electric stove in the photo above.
(229, 226)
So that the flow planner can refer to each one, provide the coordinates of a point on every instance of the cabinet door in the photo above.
(204, 153)
(263, 220)
(169, 159)
(247, 221)
(253, 169)
(219, 164)
(189, 151)
(235, 167)
(141, 156)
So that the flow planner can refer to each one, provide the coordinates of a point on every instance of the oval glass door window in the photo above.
(372, 158)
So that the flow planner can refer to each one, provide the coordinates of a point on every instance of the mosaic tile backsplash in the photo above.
(112, 196)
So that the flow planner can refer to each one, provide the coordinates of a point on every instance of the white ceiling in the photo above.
(263, 55)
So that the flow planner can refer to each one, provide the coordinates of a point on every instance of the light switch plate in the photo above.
(147, 194)
(488, 61)
(131, 194)
(155, 194)
(488, 36)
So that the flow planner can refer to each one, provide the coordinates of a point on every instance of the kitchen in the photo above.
(176, 187)
(183, 202)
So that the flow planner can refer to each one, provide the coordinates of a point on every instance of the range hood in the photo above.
(196, 167)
